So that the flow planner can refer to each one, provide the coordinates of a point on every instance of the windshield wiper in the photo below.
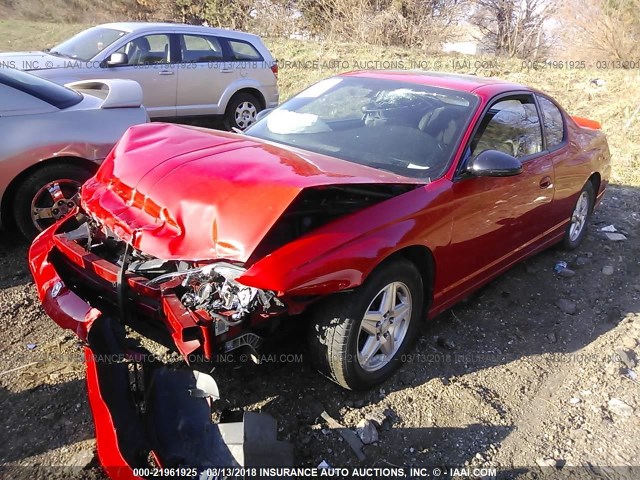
(57, 54)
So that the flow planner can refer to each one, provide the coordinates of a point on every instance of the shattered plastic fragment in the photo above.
(206, 387)
(560, 266)
(615, 237)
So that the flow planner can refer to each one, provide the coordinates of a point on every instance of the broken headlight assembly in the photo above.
(211, 289)
(214, 288)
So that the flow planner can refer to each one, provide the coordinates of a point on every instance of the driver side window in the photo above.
(511, 126)
(147, 50)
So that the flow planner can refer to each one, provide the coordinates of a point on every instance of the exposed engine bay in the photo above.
(210, 288)
(214, 289)
(315, 207)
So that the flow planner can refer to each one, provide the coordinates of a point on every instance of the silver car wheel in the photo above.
(579, 216)
(53, 201)
(384, 326)
(245, 114)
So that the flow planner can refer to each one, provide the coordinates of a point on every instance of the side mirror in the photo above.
(117, 59)
(263, 113)
(492, 163)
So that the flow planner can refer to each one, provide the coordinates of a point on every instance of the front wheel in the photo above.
(47, 195)
(241, 111)
(577, 228)
(357, 339)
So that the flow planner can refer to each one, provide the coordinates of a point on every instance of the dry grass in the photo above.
(612, 104)
(19, 35)
(67, 11)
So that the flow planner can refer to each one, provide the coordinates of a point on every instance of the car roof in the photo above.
(132, 27)
(453, 81)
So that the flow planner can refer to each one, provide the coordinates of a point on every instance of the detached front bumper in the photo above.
(60, 303)
(147, 415)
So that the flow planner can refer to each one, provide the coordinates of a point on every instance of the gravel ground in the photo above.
(535, 369)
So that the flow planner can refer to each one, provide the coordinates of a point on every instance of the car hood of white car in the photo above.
(33, 61)
(113, 93)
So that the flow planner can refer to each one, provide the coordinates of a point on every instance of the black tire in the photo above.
(334, 333)
(29, 188)
(571, 241)
(231, 120)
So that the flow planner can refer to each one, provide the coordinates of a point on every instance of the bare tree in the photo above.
(514, 28)
(608, 28)
(415, 23)
(420, 23)
(234, 14)
(275, 18)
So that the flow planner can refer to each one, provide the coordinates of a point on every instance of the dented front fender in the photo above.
(340, 255)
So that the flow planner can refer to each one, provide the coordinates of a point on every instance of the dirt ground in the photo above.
(529, 371)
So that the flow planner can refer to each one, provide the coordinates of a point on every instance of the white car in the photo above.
(53, 139)
(184, 70)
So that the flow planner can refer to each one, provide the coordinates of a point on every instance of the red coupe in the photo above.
(365, 204)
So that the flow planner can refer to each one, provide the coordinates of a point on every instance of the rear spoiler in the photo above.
(120, 93)
(587, 123)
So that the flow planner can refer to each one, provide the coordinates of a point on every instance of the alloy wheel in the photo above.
(384, 326)
(245, 115)
(53, 201)
(579, 216)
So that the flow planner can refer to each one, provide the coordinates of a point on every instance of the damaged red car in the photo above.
(365, 204)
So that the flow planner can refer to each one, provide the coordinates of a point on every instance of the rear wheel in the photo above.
(241, 111)
(577, 228)
(47, 195)
(357, 338)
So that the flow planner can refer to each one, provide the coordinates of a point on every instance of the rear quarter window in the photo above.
(553, 122)
(201, 49)
(243, 51)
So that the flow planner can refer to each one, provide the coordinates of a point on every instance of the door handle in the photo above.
(545, 182)
(165, 72)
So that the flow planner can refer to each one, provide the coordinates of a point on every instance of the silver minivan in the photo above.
(184, 70)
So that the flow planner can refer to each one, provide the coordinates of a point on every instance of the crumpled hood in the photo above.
(32, 60)
(186, 193)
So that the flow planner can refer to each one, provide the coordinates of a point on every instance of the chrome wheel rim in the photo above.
(245, 114)
(53, 201)
(579, 216)
(384, 326)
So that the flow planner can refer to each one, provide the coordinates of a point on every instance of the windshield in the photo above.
(54, 94)
(404, 128)
(86, 45)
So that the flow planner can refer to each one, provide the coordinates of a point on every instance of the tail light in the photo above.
(274, 68)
